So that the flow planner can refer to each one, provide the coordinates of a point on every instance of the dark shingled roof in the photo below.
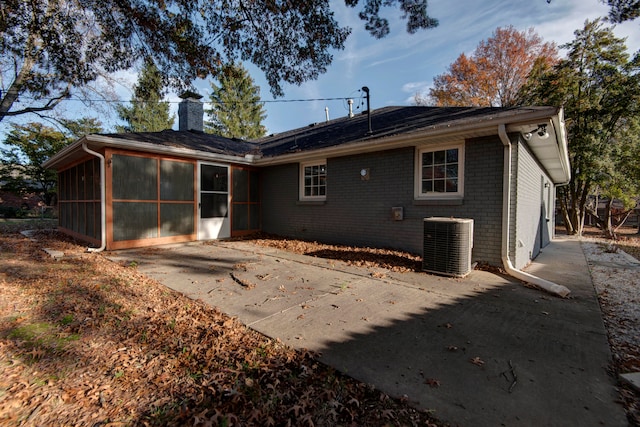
(386, 122)
(191, 140)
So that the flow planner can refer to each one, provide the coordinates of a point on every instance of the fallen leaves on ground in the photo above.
(432, 382)
(618, 292)
(85, 341)
(477, 361)
(389, 259)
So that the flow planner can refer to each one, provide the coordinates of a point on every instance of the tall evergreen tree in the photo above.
(148, 112)
(598, 85)
(83, 126)
(623, 10)
(236, 111)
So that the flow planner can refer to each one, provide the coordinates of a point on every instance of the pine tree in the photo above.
(148, 112)
(83, 126)
(236, 111)
(599, 87)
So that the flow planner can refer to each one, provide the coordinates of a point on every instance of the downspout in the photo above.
(546, 285)
(103, 201)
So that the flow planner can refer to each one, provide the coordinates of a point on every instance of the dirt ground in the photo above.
(84, 341)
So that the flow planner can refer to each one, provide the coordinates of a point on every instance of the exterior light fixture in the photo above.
(365, 174)
(541, 131)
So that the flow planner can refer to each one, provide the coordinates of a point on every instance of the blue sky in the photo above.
(398, 66)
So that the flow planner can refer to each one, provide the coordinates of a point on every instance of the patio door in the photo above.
(213, 201)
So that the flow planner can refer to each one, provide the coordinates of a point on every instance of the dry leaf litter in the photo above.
(84, 341)
(87, 342)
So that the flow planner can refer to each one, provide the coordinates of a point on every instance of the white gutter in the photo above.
(559, 126)
(103, 201)
(546, 285)
(106, 141)
(464, 128)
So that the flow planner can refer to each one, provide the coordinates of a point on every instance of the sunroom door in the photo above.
(213, 201)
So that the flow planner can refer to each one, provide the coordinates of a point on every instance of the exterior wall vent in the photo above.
(447, 246)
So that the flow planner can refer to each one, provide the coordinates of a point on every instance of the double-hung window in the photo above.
(440, 172)
(313, 180)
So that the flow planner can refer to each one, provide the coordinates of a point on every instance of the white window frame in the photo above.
(303, 197)
(418, 194)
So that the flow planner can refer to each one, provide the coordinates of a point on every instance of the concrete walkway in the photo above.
(480, 351)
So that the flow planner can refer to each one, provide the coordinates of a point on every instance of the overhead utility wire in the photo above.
(265, 101)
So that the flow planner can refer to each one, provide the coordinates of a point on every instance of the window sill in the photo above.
(439, 202)
(310, 202)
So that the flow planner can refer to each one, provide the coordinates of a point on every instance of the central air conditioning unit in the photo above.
(447, 246)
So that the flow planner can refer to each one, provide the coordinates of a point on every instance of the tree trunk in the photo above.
(623, 220)
(576, 215)
(567, 221)
(599, 221)
(10, 96)
(564, 211)
(12, 93)
(607, 225)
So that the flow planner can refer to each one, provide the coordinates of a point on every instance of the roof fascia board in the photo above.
(484, 127)
(560, 135)
(100, 141)
(366, 146)
(64, 153)
(563, 148)
(161, 149)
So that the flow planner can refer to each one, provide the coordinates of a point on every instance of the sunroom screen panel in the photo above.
(134, 221)
(176, 219)
(176, 180)
(134, 178)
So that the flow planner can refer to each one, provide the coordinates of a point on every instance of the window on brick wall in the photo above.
(313, 180)
(440, 172)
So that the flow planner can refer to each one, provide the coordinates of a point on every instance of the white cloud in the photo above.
(415, 87)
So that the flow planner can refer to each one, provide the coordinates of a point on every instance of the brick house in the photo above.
(368, 180)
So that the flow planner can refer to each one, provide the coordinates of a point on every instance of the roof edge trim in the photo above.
(100, 141)
(398, 141)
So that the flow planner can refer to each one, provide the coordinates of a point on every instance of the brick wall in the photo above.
(358, 212)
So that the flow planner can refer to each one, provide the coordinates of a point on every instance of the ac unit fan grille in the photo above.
(447, 246)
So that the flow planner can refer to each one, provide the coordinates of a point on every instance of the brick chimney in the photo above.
(191, 112)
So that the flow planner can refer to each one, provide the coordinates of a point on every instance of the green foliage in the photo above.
(81, 127)
(67, 320)
(623, 10)
(148, 112)
(414, 11)
(236, 111)
(40, 338)
(28, 146)
(599, 88)
(49, 48)
(11, 212)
